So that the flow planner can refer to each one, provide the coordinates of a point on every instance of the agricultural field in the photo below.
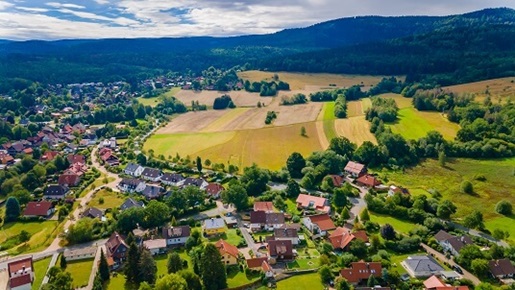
(413, 124)
(80, 271)
(156, 100)
(500, 89)
(111, 199)
(40, 234)
(239, 98)
(356, 129)
(300, 81)
(354, 109)
(401, 101)
(498, 185)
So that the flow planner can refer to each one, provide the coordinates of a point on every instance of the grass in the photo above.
(292, 206)
(356, 129)
(501, 222)
(116, 282)
(366, 104)
(329, 130)
(498, 185)
(398, 225)
(40, 235)
(80, 271)
(413, 124)
(225, 119)
(304, 263)
(162, 265)
(301, 282)
(40, 268)
(327, 112)
(156, 100)
(501, 89)
(111, 199)
(401, 101)
(229, 236)
(97, 183)
(237, 278)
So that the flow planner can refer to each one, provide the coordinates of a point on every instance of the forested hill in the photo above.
(341, 45)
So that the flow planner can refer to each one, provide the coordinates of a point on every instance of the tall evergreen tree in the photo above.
(12, 209)
(103, 267)
(174, 263)
(199, 164)
(147, 267)
(213, 269)
(63, 262)
(131, 269)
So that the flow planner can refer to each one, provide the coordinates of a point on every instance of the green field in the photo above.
(41, 233)
(236, 278)
(413, 124)
(498, 185)
(156, 100)
(397, 224)
(229, 236)
(80, 271)
(301, 282)
(111, 199)
(40, 268)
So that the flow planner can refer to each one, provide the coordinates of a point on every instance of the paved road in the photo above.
(443, 258)
(479, 234)
(358, 203)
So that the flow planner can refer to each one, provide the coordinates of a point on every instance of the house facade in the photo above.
(319, 224)
(56, 191)
(156, 247)
(131, 185)
(214, 226)
(176, 236)
(172, 179)
(287, 234)
(80, 254)
(21, 274)
(355, 169)
(151, 174)
(228, 252)
(133, 169)
(39, 209)
(452, 244)
(116, 250)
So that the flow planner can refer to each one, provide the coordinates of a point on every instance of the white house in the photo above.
(319, 224)
(175, 236)
(172, 179)
(151, 174)
(133, 169)
(80, 254)
(156, 247)
(21, 274)
(289, 234)
(131, 185)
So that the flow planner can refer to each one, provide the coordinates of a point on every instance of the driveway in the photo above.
(358, 203)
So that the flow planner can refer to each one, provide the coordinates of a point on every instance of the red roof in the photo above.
(354, 167)
(341, 238)
(323, 221)
(19, 265)
(35, 208)
(361, 271)
(68, 179)
(49, 155)
(368, 180)
(214, 188)
(266, 267)
(225, 247)
(20, 280)
(433, 282)
(255, 262)
(263, 206)
(361, 235)
(337, 180)
(72, 158)
(307, 201)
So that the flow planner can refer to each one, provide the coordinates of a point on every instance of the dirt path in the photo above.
(322, 138)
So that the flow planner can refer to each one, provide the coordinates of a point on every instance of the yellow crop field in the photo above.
(354, 108)
(401, 101)
(356, 129)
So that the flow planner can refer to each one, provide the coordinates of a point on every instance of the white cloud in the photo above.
(64, 5)
(4, 5)
(32, 9)
(102, 2)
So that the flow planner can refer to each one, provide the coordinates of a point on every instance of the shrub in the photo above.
(504, 207)
(467, 187)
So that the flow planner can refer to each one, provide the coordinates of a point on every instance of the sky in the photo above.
(64, 19)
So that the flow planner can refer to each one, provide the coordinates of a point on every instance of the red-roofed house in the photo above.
(355, 169)
(39, 209)
(228, 252)
(69, 179)
(319, 204)
(76, 158)
(280, 250)
(108, 157)
(266, 206)
(116, 250)
(319, 224)
(49, 156)
(21, 274)
(361, 235)
(337, 180)
(341, 238)
(368, 181)
(361, 271)
(434, 283)
(214, 190)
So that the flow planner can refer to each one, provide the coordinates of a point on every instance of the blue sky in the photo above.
(59, 19)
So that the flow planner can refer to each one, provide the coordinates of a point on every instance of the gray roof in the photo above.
(172, 177)
(423, 264)
(176, 232)
(153, 191)
(93, 212)
(193, 181)
(55, 189)
(443, 235)
(79, 252)
(131, 167)
(131, 182)
(129, 203)
(214, 223)
(151, 172)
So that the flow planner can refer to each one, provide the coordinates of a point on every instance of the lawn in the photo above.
(111, 199)
(327, 112)
(156, 100)
(292, 206)
(237, 278)
(162, 265)
(40, 268)
(80, 271)
(301, 282)
(116, 282)
(401, 101)
(97, 183)
(413, 124)
(40, 234)
(229, 236)
(304, 263)
(356, 129)
(498, 185)
(398, 225)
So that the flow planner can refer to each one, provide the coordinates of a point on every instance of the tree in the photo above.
(295, 164)
(103, 267)
(196, 257)
(345, 214)
(194, 196)
(303, 131)
(194, 240)
(171, 282)
(467, 187)
(292, 188)
(145, 286)
(325, 274)
(24, 236)
(97, 283)
(63, 262)
(442, 158)
(342, 146)
(469, 253)
(279, 203)
(213, 269)
(339, 198)
(474, 220)
(156, 214)
(237, 195)
(358, 248)
(129, 113)
(174, 264)
(147, 267)
(504, 207)
(131, 268)
(342, 284)
(199, 164)
(192, 279)
(445, 209)
(387, 232)
(480, 267)
(371, 282)
(12, 209)
(364, 215)
(58, 280)
(255, 180)
(81, 231)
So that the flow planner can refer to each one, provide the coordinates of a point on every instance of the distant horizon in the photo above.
(45, 20)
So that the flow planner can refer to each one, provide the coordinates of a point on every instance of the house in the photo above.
(361, 235)
(109, 158)
(434, 283)
(48, 156)
(55, 191)
(361, 271)
(93, 213)
(501, 269)
(21, 274)
(68, 179)
(355, 169)
(392, 190)
(260, 220)
(311, 202)
(176, 236)
(290, 234)
(214, 226)
(452, 244)
(156, 247)
(109, 143)
(80, 254)
(266, 206)
(421, 266)
(133, 169)
(214, 190)
(172, 179)
(368, 180)
(116, 250)
(337, 180)
(341, 238)
(5, 158)
(319, 224)
(76, 158)
(131, 185)
(151, 174)
(197, 182)
(260, 264)
(130, 203)
(280, 250)
(39, 209)
(77, 168)
(228, 252)
(153, 191)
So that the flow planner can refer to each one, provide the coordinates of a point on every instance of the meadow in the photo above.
(413, 124)
(501, 89)
(80, 271)
(41, 233)
(40, 269)
(154, 101)
(111, 199)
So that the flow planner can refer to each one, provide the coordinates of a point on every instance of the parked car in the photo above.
(457, 269)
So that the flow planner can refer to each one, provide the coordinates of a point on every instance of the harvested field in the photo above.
(502, 88)
(356, 129)
(366, 104)
(354, 108)
(222, 123)
(288, 115)
(401, 101)
(413, 124)
(299, 81)
(192, 122)
(240, 98)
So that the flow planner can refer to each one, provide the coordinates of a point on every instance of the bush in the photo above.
(504, 207)
(467, 187)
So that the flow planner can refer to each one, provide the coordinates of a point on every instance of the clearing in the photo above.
(401, 101)
(397, 224)
(413, 124)
(111, 199)
(356, 129)
(80, 271)
(239, 98)
(501, 89)
(40, 233)
(302, 282)
(156, 100)
(498, 185)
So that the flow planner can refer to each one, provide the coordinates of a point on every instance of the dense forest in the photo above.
(450, 49)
